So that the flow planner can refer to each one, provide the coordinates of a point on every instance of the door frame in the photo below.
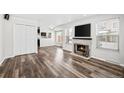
(61, 44)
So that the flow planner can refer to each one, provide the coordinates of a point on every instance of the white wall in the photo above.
(7, 37)
(1, 40)
(7, 31)
(66, 46)
(114, 56)
(110, 55)
(122, 40)
(47, 41)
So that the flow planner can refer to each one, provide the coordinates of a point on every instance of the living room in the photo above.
(105, 53)
(93, 38)
(65, 46)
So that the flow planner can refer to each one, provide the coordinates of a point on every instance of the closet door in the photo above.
(25, 39)
(19, 39)
(31, 39)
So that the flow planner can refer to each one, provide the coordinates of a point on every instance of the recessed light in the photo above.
(51, 27)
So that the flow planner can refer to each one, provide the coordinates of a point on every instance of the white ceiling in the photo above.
(52, 20)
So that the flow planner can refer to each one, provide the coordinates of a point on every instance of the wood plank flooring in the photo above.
(53, 62)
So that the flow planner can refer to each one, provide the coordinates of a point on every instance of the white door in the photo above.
(24, 39)
(19, 39)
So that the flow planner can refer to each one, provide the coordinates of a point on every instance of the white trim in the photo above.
(48, 46)
(122, 65)
(108, 61)
(5, 58)
(2, 61)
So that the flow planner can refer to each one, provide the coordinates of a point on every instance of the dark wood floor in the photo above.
(53, 62)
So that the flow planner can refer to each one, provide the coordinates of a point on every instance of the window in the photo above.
(107, 33)
(69, 36)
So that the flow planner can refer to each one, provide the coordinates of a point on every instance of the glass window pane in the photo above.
(107, 34)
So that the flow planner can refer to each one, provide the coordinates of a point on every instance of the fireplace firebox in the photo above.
(81, 49)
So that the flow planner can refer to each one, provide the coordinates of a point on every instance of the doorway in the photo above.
(59, 38)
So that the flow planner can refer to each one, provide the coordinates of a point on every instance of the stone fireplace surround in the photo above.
(85, 42)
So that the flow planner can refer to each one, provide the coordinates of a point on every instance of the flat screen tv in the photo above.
(83, 30)
(43, 34)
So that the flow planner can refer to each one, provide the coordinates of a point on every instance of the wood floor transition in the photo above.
(53, 62)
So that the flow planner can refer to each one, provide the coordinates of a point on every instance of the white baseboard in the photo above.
(48, 45)
(108, 61)
(122, 65)
(4, 59)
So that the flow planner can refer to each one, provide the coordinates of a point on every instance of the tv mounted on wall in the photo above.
(83, 30)
(43, 34)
